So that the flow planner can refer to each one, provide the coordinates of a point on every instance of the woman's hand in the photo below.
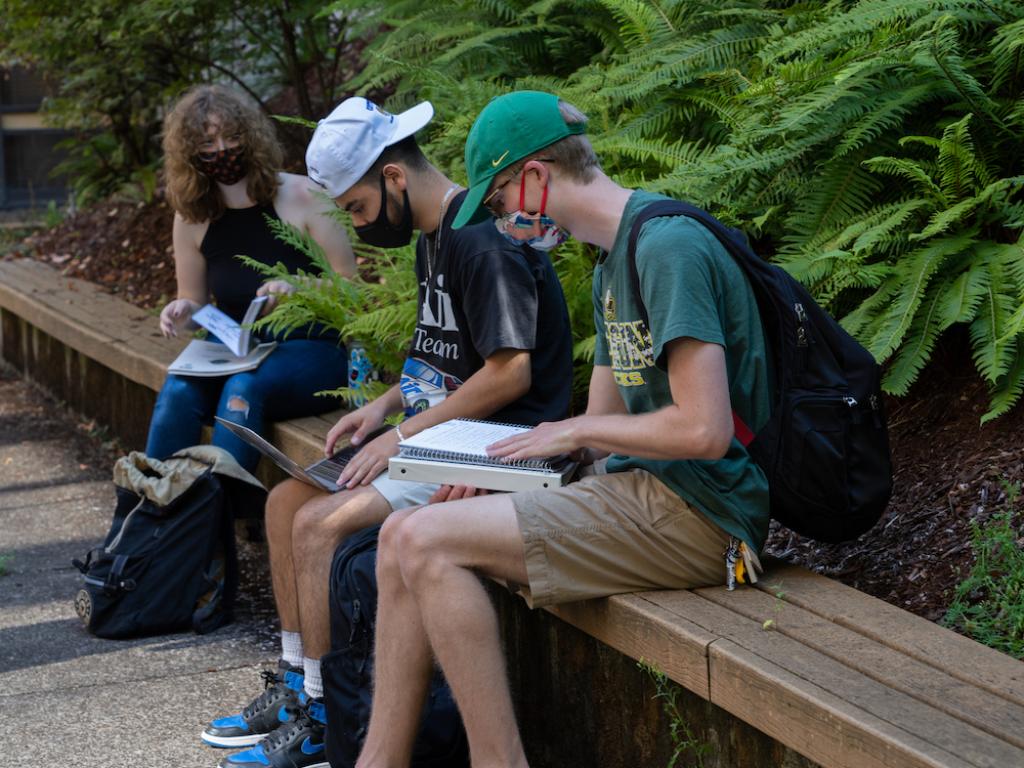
(176, 315)
(273, 289)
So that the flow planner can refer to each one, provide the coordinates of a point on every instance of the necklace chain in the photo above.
(432, 252)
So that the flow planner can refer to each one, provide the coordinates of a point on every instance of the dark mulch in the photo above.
(122, 245)
(949, 470)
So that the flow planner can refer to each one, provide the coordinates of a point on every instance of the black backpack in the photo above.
(825, 448)
(348, 669)
(168, 562)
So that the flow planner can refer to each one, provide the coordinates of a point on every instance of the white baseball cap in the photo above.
(348, 141)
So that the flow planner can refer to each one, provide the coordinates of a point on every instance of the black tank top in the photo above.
(245, 231)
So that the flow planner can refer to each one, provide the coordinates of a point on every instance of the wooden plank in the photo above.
(811, 720)
(890, 667)
(33, 291)
(872, 712)
(640, 629)
(918, 638)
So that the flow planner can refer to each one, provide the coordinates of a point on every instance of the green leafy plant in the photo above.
(684, 741)
(115, 65)
(872, 148)
(4, 560)
(988, 604)
(379, 313)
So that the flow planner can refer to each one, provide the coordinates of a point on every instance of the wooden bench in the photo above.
(107, 331)
(839, 677)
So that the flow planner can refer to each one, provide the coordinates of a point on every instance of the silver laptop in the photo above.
(321, 474)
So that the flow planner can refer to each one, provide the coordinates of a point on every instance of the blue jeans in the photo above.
(281, 388)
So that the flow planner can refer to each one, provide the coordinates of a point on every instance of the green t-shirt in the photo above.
(692, 288)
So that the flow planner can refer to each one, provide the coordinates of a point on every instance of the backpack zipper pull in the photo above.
(801, 331)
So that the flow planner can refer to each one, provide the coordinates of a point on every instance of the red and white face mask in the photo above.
(536, 230)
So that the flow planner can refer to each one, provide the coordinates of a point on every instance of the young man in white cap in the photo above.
(492, 340)
(679, 488)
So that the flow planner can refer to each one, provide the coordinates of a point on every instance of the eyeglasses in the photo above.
(488, 202)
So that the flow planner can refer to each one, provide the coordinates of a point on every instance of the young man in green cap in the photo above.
(679, 489)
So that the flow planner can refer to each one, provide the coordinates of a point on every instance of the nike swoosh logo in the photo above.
(309, 748)
(496, 163)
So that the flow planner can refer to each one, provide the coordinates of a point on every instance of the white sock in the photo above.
(291, 647)
(314, 684)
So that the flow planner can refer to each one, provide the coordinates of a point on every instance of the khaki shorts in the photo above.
(614, 533)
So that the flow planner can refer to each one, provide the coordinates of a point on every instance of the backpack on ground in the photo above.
(825, 448)
(348, 669)
(168, 562)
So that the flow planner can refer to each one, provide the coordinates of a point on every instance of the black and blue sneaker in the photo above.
(298, 744)
(276, 705)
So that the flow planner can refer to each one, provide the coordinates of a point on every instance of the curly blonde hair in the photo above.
(192, 193)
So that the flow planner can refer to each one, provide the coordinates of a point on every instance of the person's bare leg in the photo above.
(436, 601)
(319, 527)
(404, 663)
(284, 501)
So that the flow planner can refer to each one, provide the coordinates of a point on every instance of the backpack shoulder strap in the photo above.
(731, 240)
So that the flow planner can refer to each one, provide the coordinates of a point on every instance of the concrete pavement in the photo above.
(70, 699)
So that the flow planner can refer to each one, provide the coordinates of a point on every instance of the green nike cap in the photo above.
(508, 129)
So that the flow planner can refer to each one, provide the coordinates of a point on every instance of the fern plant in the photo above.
(873, 148)
(377, 311)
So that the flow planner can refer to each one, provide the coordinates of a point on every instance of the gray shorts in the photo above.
(613, 533)
(401, 494)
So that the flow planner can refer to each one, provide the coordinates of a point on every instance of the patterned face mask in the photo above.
(227, 166)
(536, 230)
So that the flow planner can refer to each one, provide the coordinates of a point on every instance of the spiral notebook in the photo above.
(454, 453)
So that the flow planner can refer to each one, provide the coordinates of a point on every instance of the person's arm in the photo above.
(697, 425)
(299, 204)
(603, 397)
(325, 228)
(190, 272)
(504, 377)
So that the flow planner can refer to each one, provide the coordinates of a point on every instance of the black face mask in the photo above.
(227, 166)
(381, 233)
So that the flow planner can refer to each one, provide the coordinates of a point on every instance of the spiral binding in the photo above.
(458, 457)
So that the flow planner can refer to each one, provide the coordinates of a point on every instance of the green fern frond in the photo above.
(910, 170)
(1007, 392)
(992, 354)
(916, 270)
(916, 349)
(963, 296)
(1007, 56)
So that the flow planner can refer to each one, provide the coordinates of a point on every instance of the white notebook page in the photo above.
(462, 435)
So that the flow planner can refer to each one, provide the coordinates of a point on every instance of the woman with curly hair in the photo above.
(224, 182)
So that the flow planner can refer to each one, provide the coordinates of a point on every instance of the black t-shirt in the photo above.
(484, 294)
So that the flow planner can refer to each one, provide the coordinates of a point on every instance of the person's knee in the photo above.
(417, 546)
(283, 501)
(178, 393)
(312, 529)
(388, 554)
(240, 395)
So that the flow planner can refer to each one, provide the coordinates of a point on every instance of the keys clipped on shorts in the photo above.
(741, 564)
